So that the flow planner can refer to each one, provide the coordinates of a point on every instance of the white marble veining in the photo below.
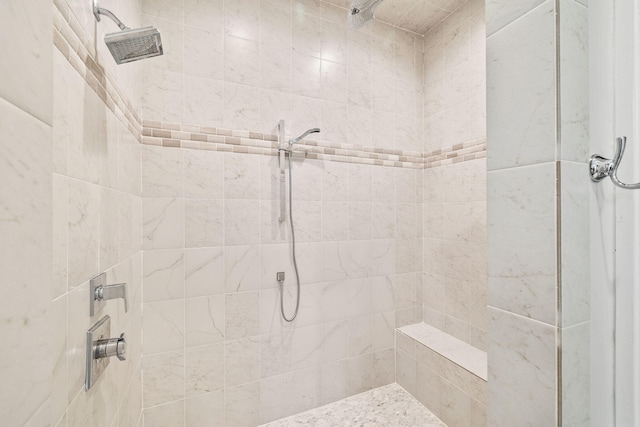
(384, 406)
(574, 84)
(522, 271)
(522, 56)
(576, 295)
(28, 86)
(164, 378)
(502, 12)
(163, 274)
(576, 364)
(528, 348)
(25, 257)
(162, 172)
(204, 272)
(204, 320)
(162, 223)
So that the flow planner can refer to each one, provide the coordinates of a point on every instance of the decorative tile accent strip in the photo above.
(76, 46)
(218, 139)
(469, 150)
(210, 138)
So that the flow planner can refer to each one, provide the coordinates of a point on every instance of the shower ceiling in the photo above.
(418, 16)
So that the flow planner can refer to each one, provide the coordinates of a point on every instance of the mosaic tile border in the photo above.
(463, 152)
(210, 138)
(76, 46)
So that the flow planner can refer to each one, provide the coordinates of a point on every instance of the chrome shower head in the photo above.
(129, 44)
(361, 12)
(304, 135)
(132, 45)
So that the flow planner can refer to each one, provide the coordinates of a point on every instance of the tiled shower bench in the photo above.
(446, 374)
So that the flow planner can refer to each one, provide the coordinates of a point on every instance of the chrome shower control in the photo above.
(100, 292)
(111, 347)
(100, 348)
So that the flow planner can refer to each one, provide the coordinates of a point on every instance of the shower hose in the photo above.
(293, 246)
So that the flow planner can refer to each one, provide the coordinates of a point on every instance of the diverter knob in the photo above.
(111, 347)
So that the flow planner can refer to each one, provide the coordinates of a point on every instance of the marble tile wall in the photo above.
(239, 64)
(537, 193)
(213, 332)
(96, 216)
(25, 212)
(211, 238)
(455, 198)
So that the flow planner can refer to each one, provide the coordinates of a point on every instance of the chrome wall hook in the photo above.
(600, 167)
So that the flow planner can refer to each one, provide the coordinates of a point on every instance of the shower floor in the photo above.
(390, 405)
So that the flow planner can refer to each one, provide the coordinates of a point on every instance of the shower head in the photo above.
(129, 44)
(132, 45)
(304, 135)
(361, 12)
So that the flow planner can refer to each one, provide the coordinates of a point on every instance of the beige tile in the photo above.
(28, 87)
(207, 408)
(359, 373)
(242, 405)
(533, 118)
(169, 414)
(163, 326)
(163, 275)
(242, 361)
(204, 369)
(162, 172)
(164, 379)
(162, 223)
(241, 315)
(523, 263)
(529, 347)
(204, 320)
(203, 223)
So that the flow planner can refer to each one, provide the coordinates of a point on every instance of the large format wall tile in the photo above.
(576, 397)
(576, 301)
(25, 259)
(26, 68)
(526, 391)
(521, 90)
(501, 13)
(574, 81)
(522, 273)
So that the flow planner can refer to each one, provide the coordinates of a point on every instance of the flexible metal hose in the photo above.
(293, 245)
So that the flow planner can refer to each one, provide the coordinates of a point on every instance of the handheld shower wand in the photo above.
(283, 150)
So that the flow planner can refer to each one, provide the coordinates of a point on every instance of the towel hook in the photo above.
(600, 167)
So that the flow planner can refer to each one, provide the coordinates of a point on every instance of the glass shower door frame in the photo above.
(615, 215)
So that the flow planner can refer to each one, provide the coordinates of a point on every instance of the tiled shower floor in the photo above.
(386, 406)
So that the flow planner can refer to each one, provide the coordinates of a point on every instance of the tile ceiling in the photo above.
(418, 16)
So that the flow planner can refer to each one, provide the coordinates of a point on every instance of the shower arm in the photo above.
(97, 11)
